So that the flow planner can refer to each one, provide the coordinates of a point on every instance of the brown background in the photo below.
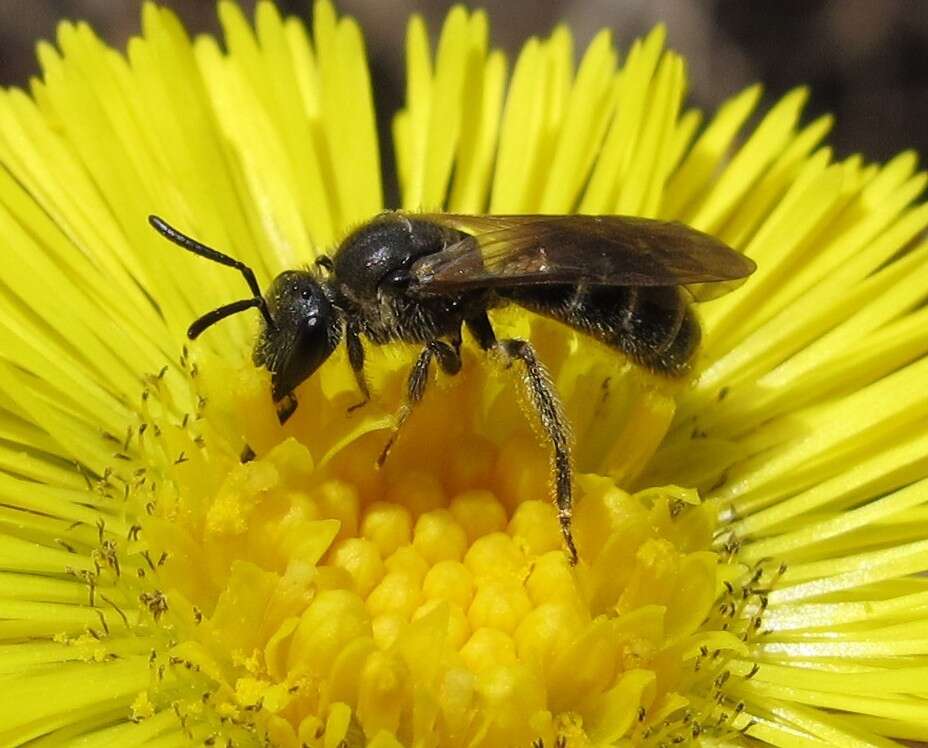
(866, 60)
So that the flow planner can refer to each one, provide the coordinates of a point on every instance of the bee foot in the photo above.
(382, 459)
(286, 407)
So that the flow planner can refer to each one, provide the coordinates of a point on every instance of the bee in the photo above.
(422, 278)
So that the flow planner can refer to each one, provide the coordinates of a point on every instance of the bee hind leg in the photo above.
(449, 359)
(548, 407)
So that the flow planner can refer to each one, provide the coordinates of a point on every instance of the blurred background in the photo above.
(866, 60)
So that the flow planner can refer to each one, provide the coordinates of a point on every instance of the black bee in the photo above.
(420, 278)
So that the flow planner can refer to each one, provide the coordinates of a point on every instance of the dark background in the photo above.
(866, 60)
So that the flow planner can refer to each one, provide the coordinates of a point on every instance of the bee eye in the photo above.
(306, 294)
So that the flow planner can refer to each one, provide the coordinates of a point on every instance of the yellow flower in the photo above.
(751, 543)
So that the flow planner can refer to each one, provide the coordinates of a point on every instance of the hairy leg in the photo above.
(548, 407)
(449, 359)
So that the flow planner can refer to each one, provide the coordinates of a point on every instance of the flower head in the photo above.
(750, 541)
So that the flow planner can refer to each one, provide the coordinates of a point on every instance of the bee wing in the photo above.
(517, 250)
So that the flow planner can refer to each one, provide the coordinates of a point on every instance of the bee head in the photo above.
(306, 329)
(300, 324)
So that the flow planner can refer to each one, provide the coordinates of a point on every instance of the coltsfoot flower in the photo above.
(751, 543)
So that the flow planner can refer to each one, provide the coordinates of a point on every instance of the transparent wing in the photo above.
(517, 250)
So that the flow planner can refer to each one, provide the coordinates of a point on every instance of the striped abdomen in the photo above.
(653, 325)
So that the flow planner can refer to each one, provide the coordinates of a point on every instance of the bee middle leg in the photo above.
(548, 407)
(449, 359)
(356, 359)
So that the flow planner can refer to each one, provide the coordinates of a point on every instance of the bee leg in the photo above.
(449, 359)
(548, 406)
(356, 359)
(286, 407)
(482, 331)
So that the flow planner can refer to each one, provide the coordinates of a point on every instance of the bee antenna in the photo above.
(192, 245)
(211, 318)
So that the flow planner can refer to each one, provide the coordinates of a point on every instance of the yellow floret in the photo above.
(387, 525)
(479, 513)
(333, 619)
(340, 501)
(418, 491)
(451, 581)
(439, 537)
(360, 557)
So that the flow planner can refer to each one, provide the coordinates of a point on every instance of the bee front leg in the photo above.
(449, 359)
(356, 359)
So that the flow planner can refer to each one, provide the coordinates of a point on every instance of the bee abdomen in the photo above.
(654, 326)
(659, 330)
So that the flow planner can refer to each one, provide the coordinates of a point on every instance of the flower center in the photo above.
(302, 593)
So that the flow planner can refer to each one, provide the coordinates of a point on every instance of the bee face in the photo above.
(307, 328)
